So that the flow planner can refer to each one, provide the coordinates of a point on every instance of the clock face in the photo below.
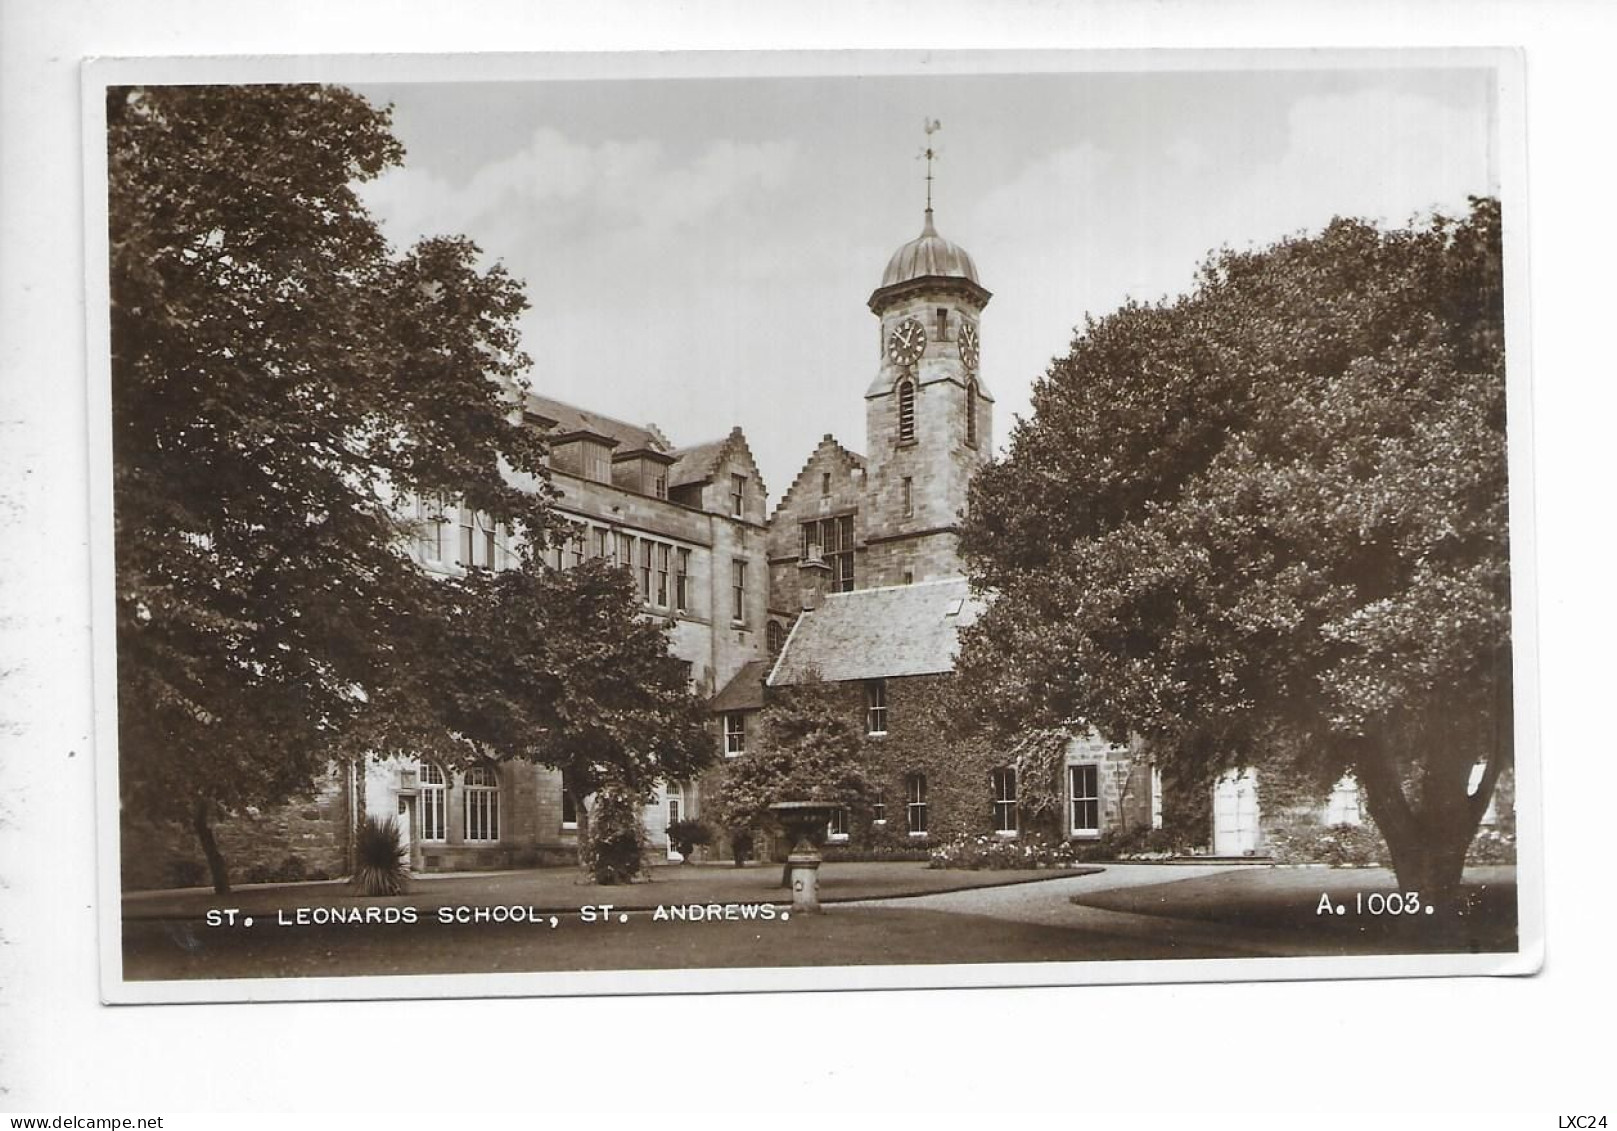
(968, 347)
(907, 342)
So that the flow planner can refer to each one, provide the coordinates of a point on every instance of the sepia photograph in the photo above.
(597, 524)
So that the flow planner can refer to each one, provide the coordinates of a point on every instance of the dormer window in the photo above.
(906, 410)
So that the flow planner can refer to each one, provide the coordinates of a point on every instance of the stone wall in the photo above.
(307, 838)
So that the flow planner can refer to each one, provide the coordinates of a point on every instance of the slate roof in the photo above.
(745, 691)
(571, 418)
(695, 464)
(879, 633)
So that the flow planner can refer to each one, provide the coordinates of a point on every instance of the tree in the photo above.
(809, 747)
(562, 668)
(1270, 519)
(281, 382)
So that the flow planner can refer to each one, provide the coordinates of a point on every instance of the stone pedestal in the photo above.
(802, 819)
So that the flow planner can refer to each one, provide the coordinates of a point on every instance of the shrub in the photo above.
(686, 835)
(983, 850)
(614, 850)
(741, 844)
(1340, 846)
(1493, 845)
(380, 858)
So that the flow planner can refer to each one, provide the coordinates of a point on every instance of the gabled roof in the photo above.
(879, 633)
(699, 462)
(827, 443)
(745, 691)
(566, 419)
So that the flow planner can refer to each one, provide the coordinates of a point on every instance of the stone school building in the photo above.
(854, 578)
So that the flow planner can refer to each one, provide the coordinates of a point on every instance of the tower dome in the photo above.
(928, 255)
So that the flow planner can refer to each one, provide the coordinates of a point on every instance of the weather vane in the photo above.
(932, 126)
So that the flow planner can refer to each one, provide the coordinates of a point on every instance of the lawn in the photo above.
(1286, 903)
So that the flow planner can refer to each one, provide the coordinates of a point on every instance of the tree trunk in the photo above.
(210, 848)
(1428, 842)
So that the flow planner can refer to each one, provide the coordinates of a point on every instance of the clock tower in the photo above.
(928, 417)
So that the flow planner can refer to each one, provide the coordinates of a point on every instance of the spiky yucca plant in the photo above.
(379, 857)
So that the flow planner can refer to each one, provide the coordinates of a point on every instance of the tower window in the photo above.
(909, 496)
(906, 409)
(971, 413)
(943, 324)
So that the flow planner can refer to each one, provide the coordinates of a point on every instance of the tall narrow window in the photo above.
(915, 811)
(1084, 782)
(626, 551)
(482, 789)
(878, 808)
(682, 581)
(876, 707)
(575, 545)
(909, 496)
(431, 514)
(660, 485)
(738, 495)
(971, 413)
(825, 483)
(434, 796)
(645, 570)
(735, 734)
(1004, 786)
(663, 550)
(906, 409)
(738, 591)
(777, 638)
(488, 531)
(569, 810)
(468, 536)
(603, 542)
(943, 324)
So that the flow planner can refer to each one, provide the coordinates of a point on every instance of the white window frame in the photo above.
(915, 805)
(1007, 818)
(735, 734)
(480, 790)
(876, 707)
(432, 803)
(1087, 798)
(878, 809)
(837, 829)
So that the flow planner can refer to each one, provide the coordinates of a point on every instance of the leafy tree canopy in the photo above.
(281, 382)
(807, 747)
(562, 668)
(1271, 517)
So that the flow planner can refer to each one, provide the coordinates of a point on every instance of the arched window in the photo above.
(971, 413)
(482, 789)
(906, 409)
(434, 796)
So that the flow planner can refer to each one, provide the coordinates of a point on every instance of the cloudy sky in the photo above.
(698, 252)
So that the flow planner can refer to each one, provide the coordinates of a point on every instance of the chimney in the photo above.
(813, 579)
